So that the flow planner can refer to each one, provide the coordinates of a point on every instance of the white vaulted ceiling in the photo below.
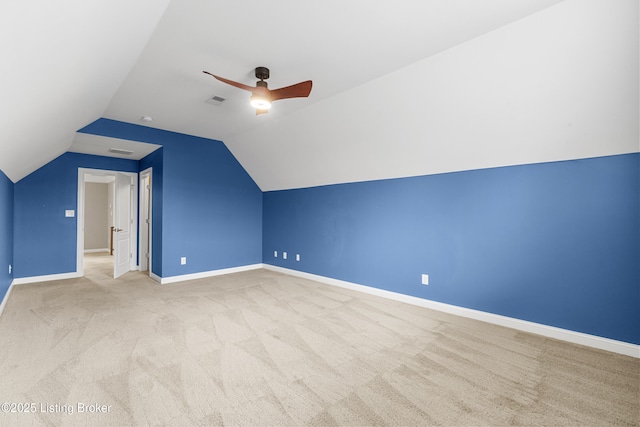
(62, 62)
(400, 88)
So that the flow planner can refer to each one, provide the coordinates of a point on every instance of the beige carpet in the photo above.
(262, 348)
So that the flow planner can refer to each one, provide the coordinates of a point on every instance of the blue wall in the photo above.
(554, 243)
(45, 241)
(210, 208)
(6, 233)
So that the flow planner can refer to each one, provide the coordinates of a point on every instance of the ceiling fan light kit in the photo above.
(260, 102)
(261, 96)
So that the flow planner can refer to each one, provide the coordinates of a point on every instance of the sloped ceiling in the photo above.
(560, 84)
(400, 88)
(62, 61)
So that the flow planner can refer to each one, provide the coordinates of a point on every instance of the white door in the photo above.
(122, 226)
(145, 222)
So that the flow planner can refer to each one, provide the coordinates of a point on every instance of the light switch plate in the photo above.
(69, 213)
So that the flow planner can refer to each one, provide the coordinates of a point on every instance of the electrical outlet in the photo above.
(284, 255)
(297, 257)
(425, 279)
(10, 268)
(275, 254)
(183, 260)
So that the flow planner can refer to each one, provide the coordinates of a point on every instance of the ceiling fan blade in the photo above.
(232, 83)
(298, 90)
(259, 111)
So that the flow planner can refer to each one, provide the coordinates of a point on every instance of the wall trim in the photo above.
(45, 278)
(574, 337)
(80, 214)
(204, 274)
(6, 297)
(89, 251)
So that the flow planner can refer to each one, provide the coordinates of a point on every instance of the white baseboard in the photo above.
(601, 343)
(6, 297)
(89, 251)
(155, 277)
(204, 274)
(45, 278)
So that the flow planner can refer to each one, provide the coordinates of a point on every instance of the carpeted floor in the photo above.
(263, 348)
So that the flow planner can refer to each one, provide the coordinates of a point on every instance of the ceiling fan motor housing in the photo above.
(262, 73)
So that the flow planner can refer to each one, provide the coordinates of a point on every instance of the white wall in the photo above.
(96, 221)
(110, 201)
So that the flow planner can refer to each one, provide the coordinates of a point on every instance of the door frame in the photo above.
(141, 256)
(82, 172)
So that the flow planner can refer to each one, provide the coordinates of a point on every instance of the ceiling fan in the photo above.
(262, 96)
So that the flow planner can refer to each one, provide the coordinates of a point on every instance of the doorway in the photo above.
(123, 209)
(146, 223)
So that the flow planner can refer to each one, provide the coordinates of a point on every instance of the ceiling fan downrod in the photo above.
(262, 73)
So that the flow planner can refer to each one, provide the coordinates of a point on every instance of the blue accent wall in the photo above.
(553, 243)
(45, 241)
(210, 209)
(6, 233)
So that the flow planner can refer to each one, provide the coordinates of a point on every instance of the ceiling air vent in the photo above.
(216, 100)
(120, 151)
